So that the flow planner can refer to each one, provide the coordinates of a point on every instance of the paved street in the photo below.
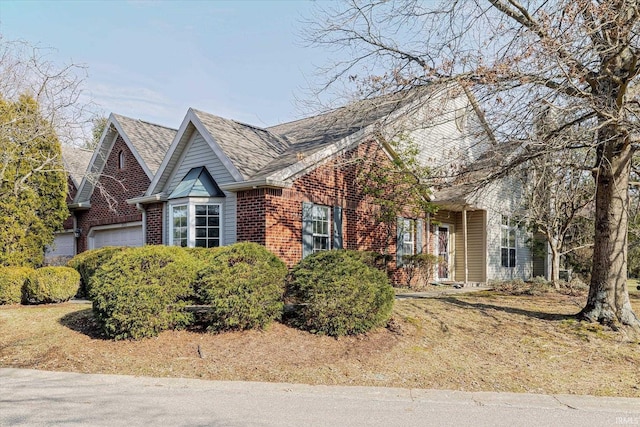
(38, 398)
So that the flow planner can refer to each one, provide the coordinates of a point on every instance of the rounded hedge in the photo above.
(12, 281)
(337, 294)
(51, 285)
(244, 286)
(86, 263)
(141, 291)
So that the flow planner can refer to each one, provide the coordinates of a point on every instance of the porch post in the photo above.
(464, 238)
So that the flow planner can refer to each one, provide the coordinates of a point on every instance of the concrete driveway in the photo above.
(39, 398)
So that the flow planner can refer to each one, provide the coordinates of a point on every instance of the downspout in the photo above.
(464, 238)
(141, 208)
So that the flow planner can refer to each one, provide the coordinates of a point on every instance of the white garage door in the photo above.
(63, 246)
(124, 236)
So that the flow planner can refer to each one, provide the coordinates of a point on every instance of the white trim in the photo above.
(96, 167)
(449, 252)
(127, 141)
(191, 118)
(190, 203)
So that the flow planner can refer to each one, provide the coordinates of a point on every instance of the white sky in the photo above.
(152, 60)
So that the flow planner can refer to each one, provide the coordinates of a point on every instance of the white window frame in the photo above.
(121, 160)
(316, 220)
(408, 236)
(508, 241)
(191, 204)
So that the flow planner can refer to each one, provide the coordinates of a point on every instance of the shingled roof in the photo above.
(310, 135)
(150, 140)
(76, 161)
(249, 148)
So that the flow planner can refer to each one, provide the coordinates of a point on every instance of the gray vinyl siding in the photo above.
(199, 153)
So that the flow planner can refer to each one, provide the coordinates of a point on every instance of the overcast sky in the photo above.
(242, 60)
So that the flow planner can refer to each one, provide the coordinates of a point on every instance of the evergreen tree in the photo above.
(33, 184)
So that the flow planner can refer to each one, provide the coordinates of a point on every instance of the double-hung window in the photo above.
(409, 238)
(321, 228)
(320, 218)
(195, 224)
(508, 242)
(179, 226)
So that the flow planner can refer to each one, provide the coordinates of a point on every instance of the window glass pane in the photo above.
(214, 232)
(320, 228)
(201, 243)
(505, 257)
(201, 221)
(214, 210)
(213, 221)
(512, 257)
(213, 243)
(201, 209)
(201, 232)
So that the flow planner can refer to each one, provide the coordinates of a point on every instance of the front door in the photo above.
(443, 252)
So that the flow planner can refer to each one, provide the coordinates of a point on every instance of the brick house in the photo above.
(294, 187)
(122, 166)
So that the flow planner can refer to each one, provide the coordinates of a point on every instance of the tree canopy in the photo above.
(33, 184)
(578, 59)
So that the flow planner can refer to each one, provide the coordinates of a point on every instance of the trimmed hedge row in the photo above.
(87, 263)
(12, 281)
(139, 292)
(42, 286)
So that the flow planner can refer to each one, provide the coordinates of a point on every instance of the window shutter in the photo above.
(399, 240)
(337, 227)
(307, 229)
(419, 228)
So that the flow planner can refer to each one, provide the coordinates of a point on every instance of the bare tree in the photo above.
(578, 57)
(41, 108)
(556, 196)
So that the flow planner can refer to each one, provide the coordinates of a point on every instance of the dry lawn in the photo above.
(476, 341)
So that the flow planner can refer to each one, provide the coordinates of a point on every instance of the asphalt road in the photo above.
(39, 398)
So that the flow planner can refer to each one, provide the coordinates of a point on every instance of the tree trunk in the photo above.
(608, 301)
(555, 266)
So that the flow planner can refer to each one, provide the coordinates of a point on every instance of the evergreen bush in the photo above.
(338, 294)
(141, 291)
(51, 285)
(86, 263)
(12, 281)
(244, 285)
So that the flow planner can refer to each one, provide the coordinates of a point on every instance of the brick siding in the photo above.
(121, 184)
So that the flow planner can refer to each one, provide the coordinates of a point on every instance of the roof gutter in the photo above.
(154, 198)
(258, 183)
(79, 206)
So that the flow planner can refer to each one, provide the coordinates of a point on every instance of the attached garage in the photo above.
(63, 246)
(118, 235)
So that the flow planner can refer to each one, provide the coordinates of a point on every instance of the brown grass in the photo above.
(480, 341)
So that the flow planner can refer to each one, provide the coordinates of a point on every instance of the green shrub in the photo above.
(338, 294)
(244, 285)
(50, 285)
(141, 291)
(86, 263)
(12, 281)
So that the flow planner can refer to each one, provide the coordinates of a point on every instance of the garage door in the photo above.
(63, 246)
(124, 236)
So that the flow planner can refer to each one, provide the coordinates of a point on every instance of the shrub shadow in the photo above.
(83, 321)
(528, 313)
